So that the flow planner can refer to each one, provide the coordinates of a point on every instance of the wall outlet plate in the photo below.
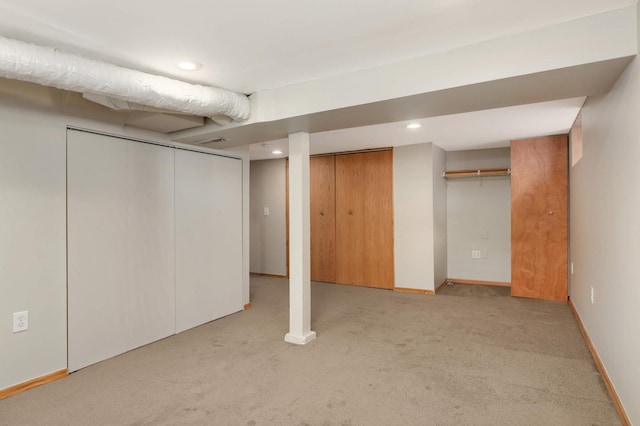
(476, 254)
(20, 321)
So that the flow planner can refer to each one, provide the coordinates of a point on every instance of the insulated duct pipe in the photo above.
(52, 67)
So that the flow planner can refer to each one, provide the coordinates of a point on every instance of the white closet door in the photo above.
(208, 238)
(120, 209)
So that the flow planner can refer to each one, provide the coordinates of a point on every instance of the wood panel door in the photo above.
(539, 231)
(323, 218)
(364, 219)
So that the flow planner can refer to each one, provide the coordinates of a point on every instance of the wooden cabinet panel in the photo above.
(539, 230)
(323, 218)
(364, 219)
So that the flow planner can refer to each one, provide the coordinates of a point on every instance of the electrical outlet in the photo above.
(476, 254)
(571, 268)
(20, 321)
(592, 299)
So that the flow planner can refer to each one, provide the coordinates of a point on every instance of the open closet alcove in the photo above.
(507, 217)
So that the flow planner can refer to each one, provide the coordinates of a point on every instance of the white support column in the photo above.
(299, 242)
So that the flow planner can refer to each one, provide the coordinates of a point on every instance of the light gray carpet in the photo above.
(463, 357)
(467, 290)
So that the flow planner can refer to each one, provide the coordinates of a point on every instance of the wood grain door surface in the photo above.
(364, 219)
(539, 228)
(323, 218)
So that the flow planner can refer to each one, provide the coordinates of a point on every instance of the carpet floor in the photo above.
(471, 355)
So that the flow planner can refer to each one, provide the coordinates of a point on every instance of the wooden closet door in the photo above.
(539, 169)
(364, 219)
(323, 218)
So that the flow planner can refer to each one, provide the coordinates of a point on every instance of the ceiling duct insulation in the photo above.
(55, 68)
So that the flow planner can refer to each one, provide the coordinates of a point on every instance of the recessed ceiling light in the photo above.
(189, 65)
(414, 126)
(276, 151)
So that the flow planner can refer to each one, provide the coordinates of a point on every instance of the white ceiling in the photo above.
(252, 45)
(492, 128)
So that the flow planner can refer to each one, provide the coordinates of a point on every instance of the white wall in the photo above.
(32, 244)
(33, 271)
(268, 233)
(244, 153)
(246, 220)
(440, 195)
(477, 207)
(419, 208)
(604, 226)
(33, 120)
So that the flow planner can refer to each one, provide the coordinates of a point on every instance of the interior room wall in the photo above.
(32, 245)
(268, 232)
(479, 217)
(246, 219)
(33, 215)
(32, 221)
(414, 196)
(440, 267)
(604, 225)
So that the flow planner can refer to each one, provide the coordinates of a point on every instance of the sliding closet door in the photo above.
(323, 218)
(208, 237)
(364, 219)
(120, 213)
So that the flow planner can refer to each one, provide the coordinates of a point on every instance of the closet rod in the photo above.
(476, 173)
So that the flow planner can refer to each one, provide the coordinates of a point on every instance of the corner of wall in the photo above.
(243, 151)
(413, 216)
(604, 208)
(268, 241)
(439, 158)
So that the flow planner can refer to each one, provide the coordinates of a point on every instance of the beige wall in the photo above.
(604, 226)
(32, 244)
(440, 216)
(33, 271)
(479, 217)
(419, 200)
(268, 233)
